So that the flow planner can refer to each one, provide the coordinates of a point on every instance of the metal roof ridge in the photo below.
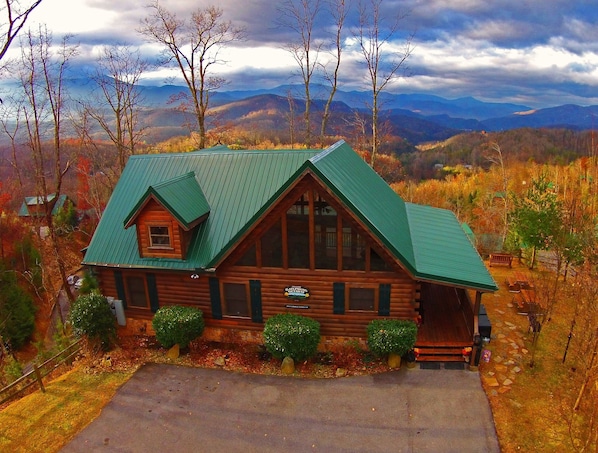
(326, 151)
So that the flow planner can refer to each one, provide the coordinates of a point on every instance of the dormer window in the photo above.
(167, 215)
(159, 237)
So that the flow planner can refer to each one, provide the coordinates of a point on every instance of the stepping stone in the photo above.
(507, 382)
(491, 382)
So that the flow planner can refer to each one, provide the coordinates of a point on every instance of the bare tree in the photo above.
(193, 46)
(14, 17)
(42, 69)
(496, 157)
(117, 107)
(339, 12)
(383, 64)
(300, 17)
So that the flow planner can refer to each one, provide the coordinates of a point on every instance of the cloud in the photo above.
(528, 50)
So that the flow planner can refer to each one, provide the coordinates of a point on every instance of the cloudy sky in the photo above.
(534, 52)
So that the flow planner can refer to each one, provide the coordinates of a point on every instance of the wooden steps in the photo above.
(440, 353)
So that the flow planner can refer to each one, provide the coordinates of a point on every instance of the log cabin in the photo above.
(243, 235)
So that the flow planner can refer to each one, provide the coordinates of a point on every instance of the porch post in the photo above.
(474, 358)
(476, 314)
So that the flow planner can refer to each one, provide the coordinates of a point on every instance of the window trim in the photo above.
(374, 287)
(153, 246)
(223, 299)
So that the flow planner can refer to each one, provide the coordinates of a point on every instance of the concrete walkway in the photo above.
(173, 408)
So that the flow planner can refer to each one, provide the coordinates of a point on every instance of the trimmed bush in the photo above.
(91, 317)
(290, 335)
(175, 324)
(385, 336)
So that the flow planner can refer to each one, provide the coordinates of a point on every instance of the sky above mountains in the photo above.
(538, 53)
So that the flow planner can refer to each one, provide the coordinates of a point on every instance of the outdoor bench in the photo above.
(501, 259)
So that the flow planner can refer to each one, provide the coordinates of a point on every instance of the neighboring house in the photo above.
(244, 235)
(33, 207)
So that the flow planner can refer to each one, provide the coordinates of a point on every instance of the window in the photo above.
(271, 246)
(325, 220)
(353, 249)
(235, 300)
(159, 236)
(248, 258)
(136, 292)
(377, 263)
(362, 299)
(298, 233)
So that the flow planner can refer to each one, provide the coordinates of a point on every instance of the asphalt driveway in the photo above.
(167, 408)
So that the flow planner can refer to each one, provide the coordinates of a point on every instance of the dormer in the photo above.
(166, 216)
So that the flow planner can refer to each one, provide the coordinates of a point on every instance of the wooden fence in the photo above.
(36, 375)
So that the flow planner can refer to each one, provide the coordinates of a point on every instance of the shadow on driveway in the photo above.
(173, 408)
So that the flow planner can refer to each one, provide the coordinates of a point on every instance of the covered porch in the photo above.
(447, 323)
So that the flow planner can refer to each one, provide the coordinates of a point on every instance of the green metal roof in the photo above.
(35, 201)
(443, 252)
(239, 186)
(369, 197)
(174, 194)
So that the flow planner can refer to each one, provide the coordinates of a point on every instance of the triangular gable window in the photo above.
(313, 233)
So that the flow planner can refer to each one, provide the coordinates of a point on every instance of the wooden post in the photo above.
(39, 378)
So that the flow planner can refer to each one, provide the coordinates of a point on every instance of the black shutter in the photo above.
(120, 287)
(384, 300)
(153, 292)
(215, 298)
(255, 292)
(338, 303)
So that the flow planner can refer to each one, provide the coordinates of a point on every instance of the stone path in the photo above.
(509, 356)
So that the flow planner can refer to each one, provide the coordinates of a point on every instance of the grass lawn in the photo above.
(48, 421)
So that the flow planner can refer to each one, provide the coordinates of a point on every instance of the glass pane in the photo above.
(325, 241)
(353, 249)
(136, 292)
(159, 236)
(248, 259)
(298, 233)
(362, 299)
(271, 243)
(377, 263)
(235, 299)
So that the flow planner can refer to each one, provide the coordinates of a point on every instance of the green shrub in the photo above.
(385, 336)
(17, 311)
(290, 335)
(175, 324)
(91, 317)
(11, 370)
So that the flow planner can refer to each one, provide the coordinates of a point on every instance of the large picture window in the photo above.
(235, 300)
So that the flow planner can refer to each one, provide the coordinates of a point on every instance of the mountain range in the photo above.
(416, 117)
